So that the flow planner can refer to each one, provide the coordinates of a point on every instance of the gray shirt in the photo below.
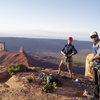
(96, 48)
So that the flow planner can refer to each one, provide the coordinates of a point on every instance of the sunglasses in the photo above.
(94, 36)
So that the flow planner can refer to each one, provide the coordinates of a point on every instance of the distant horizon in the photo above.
(44, 34)
(40, 38)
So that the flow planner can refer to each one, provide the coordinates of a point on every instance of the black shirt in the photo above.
(69, 49)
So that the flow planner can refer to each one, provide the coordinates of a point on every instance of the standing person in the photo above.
(68, 51)
(95, 61)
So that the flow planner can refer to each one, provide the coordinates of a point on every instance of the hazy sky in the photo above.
(49, 18)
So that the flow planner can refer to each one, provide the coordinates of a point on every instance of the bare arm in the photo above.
(95, 57)
(69, 55)
(63, 53)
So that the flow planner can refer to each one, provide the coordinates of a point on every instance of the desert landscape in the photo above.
(38, 37)
(18, 86)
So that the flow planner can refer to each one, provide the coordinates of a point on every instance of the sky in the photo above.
(57, 19)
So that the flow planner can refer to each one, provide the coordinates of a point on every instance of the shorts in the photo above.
(67, 59)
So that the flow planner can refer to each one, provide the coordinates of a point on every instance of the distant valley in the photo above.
(41, 45)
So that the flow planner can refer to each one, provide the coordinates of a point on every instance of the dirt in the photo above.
(19, 88)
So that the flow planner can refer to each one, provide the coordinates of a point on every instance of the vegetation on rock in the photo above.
(15, 68)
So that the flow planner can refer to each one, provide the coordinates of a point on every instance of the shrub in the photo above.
(15, 68)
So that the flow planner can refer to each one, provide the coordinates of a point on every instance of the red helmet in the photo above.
(70, 38)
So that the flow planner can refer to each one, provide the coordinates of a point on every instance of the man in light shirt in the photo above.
(95, 62)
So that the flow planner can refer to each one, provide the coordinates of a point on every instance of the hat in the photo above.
(93, 34)
(70, 38)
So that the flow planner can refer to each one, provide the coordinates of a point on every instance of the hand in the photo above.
(68, 55)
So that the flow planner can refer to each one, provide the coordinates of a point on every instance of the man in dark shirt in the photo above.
(68, 51)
